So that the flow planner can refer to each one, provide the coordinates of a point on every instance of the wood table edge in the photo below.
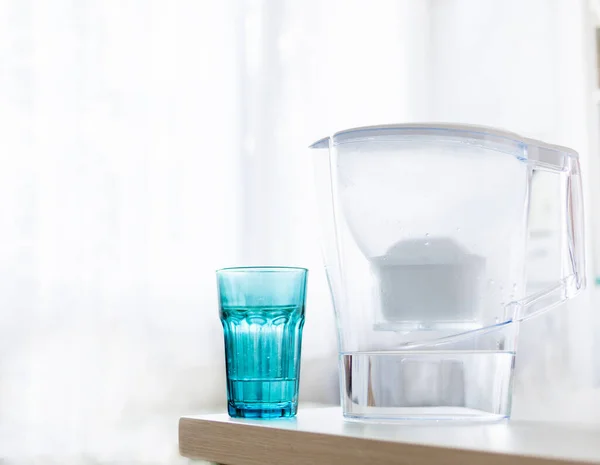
(243, 444)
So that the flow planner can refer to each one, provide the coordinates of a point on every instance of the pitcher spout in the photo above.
(320, 144)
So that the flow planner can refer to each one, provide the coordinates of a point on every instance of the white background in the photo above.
(143, 144)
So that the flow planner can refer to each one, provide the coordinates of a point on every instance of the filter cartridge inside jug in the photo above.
(427, 285)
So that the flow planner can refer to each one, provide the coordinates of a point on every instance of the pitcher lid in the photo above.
(461, 130)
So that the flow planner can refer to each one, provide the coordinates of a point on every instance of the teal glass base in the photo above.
(284, 410)
(264, 397)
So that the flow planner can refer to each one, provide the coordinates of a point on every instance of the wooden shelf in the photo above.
(321, 436)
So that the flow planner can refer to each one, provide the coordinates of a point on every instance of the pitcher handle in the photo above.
(564, 163)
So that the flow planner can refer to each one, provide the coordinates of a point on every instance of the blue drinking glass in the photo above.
(262, 312)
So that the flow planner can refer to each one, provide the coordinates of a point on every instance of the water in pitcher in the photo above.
(380, 385)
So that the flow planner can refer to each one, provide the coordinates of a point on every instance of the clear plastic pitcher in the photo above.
(425, 233)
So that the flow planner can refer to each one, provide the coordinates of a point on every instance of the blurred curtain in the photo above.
(145, 143)
(119, 196)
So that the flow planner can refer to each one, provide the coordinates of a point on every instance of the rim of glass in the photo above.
(255, 269)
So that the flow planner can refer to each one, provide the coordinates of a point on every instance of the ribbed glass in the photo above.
(262, 312)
